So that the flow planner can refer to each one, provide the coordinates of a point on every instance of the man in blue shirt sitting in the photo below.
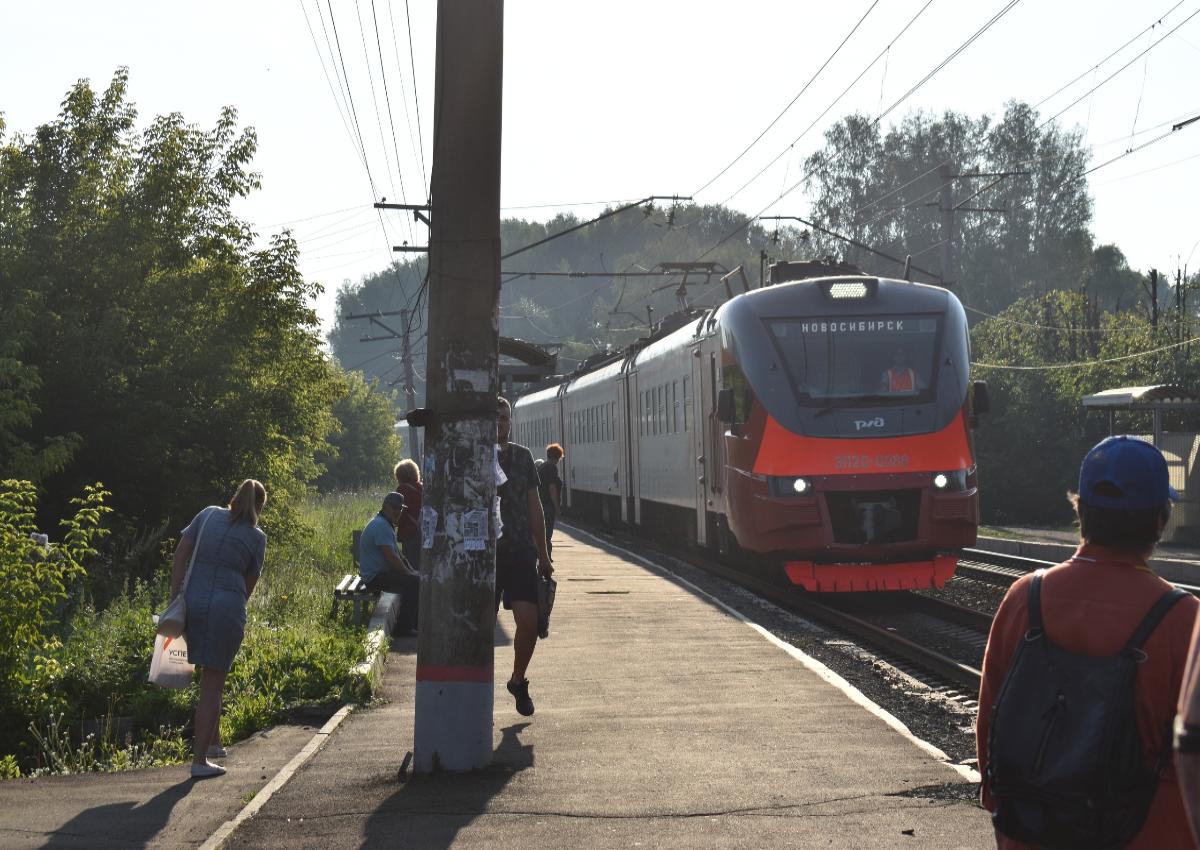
(382, 567)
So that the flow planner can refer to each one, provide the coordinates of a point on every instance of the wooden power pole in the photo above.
(454, 692)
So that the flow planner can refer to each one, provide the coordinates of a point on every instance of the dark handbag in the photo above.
(546, 588)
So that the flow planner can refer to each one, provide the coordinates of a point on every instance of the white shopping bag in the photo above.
(169, 668)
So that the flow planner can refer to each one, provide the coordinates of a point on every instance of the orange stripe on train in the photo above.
(785, 453)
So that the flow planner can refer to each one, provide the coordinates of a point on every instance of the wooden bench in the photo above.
(352, 589)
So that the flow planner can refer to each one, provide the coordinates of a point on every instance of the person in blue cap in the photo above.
(1091, 605)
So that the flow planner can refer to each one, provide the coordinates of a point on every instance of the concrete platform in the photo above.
(1174, 563)
(662, 721)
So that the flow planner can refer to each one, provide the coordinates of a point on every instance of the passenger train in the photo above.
(820, 425)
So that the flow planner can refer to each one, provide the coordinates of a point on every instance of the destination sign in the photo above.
(853, 326)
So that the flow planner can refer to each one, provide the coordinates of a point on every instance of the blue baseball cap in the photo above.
(1134, 467)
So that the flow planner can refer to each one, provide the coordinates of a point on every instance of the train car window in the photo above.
(732, 378)
(687, 405)
(883, 358)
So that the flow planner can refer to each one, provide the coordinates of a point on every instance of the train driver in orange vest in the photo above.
(899, 378)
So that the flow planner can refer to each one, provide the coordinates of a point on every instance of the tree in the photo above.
(885, 189)
(1029, 449)
(164, 355)
(365, 447)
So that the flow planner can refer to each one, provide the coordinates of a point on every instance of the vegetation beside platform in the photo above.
(74, 691)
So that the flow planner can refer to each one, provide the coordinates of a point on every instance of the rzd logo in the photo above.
(877, 422)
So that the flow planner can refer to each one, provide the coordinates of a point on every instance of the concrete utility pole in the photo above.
(454, 695)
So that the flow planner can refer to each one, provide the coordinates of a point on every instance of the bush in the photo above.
(94, 670)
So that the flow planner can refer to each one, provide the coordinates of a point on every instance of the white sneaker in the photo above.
(203, 771)
(217, 752)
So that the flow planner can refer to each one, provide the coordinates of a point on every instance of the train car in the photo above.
(818, 427)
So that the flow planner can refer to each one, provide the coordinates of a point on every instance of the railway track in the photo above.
(1003, 570)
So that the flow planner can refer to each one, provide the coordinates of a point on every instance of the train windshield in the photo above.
(876, 360)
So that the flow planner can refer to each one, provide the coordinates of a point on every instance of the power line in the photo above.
(346, 90)
(937, 68)
(1008, 7)
(792, 103)
(1085, 363)
(416, 96)
(832, 103)
(589, 222)
(1090, 70)
(388, 100)
(329, 82)
(1119, 70)
(408, 122)
(378, 118)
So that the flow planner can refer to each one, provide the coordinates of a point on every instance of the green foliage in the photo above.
(59, 753)
(34, 581)
(1030, 447)
(883, 188)
(587, 314)
(169, 358)
(365, 447)
(94, 669)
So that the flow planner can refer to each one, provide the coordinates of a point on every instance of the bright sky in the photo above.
(620, 100)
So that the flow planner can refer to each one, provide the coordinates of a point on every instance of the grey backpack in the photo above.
(1065, 763)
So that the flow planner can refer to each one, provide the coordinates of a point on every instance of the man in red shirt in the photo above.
(899, 378)
(1092, 603)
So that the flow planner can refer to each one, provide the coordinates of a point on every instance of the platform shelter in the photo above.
(1180, 448)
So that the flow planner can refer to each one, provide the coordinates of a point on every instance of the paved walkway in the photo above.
(662, 721)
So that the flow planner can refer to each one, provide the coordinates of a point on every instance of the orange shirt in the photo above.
(901, 380)
(1091, 604)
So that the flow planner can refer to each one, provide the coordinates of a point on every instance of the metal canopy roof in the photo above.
(1157, 397)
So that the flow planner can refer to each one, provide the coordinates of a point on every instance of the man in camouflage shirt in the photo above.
(521, 552)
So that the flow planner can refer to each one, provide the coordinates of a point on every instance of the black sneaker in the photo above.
(521, 692)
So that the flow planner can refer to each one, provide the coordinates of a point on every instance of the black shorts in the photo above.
(516, 573)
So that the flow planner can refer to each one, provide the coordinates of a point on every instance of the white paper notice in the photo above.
(475, 528)
(429, 518)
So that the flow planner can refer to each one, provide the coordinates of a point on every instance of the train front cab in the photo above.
(845, 409)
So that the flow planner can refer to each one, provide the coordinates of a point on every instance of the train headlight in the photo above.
(852, 289)
(788, 486)
(949, 481)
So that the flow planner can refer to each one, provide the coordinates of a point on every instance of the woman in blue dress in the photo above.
(229, 549)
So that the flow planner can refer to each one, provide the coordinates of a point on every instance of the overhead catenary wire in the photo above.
(1092, 69)
(792, 102)
(831, 105)
(1004, 10)
(388, 101)
(321, 57)
(416, 95)
(1119, 70)
(1084, 364)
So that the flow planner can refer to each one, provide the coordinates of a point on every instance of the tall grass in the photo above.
(294, 656)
